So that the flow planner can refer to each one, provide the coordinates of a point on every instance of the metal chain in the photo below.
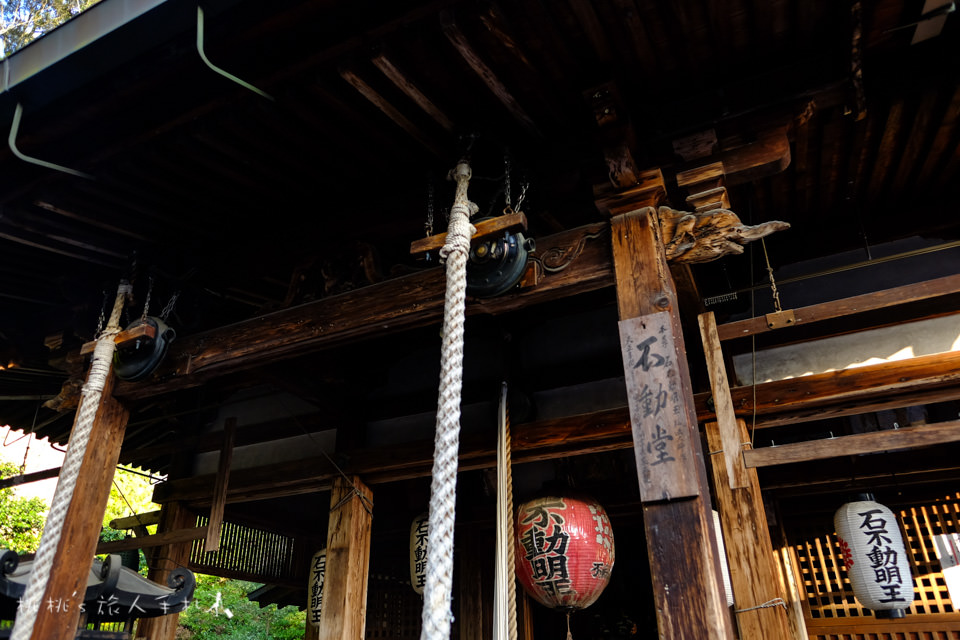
(773, 283)
(506, 181)
(146, 301)
(523, 194)
(428, 225)
(167, 310)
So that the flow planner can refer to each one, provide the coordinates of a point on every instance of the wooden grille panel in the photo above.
(393, 609)
(246, 553)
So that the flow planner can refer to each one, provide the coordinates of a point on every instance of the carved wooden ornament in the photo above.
(703, 237)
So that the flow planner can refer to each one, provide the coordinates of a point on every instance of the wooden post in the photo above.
(212, 542)
(753, 571)
(174, 516)
(81, 526)
(470, 615)
(344, 611)
(677, 514)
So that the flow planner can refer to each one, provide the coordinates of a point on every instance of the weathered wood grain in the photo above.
(753, 573)
(383, 308)
(348, 561)
(681, 545)
(873, 442)
(857, 304)
(212, 542)
(164, 559)
(860, 385)
(726, 422)
(81, 525)
(188, 534)
(484, 229)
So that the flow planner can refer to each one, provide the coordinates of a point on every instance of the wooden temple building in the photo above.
(739, 216)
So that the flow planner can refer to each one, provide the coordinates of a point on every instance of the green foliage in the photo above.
(21, 519)
(206, 618)
(22, 21)
(130, 494)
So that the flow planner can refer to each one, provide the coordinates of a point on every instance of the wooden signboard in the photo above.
(657, 408)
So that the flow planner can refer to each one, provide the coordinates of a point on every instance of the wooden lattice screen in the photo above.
(833, 613)
(393, 609)
(246, 553)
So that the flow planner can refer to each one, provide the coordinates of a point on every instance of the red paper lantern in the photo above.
(564, 551)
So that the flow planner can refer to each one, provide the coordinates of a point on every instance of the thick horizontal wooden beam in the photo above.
(484, 229)
(533, 441)
(155, 540)
(848, 306)
(873, 442)
(924, 376)
(403, 303)
(26, 478)
(139, 520)
(142, 330)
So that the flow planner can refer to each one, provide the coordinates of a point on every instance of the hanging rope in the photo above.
(505, 586)
(439, 580)
(69, 472)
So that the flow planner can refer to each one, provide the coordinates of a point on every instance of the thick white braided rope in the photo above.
(505, 584)
(69, 473)
(437, 613)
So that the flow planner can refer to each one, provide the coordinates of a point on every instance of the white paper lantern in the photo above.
(419, 539)
(318, 572)
(873, 550)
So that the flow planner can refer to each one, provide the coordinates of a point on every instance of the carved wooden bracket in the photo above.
(703, 237)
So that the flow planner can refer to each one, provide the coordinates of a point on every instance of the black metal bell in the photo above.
(496, 265)
(139, 358)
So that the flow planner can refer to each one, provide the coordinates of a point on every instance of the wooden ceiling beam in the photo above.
(534, 441)
(858, 386)
(858, 443)
(403, 82)
(884, 299)
(373, 96)
(462, 45)
(387, 307)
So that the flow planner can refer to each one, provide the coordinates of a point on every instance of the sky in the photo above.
(40, 455)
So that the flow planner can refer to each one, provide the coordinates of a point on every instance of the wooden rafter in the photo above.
(496, 86)
(403, 82)
(388, 109)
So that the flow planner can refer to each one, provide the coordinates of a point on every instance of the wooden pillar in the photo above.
(677, 514)
(344, 611)
(83, 521)
(753, 571)
(164, 559)
(470, 586)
